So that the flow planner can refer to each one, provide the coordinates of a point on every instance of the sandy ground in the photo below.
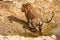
(13, 20)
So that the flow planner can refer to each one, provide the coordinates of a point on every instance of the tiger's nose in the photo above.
(22, 9)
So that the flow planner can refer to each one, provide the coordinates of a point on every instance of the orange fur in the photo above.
(32, 17)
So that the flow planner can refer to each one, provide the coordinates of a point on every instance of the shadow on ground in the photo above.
(25, 25)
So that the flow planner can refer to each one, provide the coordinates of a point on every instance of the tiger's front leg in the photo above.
(40, 27)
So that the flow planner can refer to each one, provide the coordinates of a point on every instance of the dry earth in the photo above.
(13, 20)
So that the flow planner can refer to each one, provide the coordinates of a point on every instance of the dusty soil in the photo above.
(13, 20)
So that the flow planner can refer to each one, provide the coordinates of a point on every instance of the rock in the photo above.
(16, 37)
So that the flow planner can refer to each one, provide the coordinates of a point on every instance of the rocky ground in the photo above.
(13, 20)
(16, 37)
